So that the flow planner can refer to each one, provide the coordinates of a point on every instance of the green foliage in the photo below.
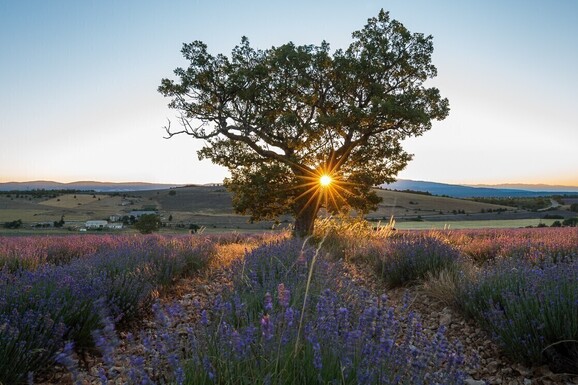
(574, 207)
(59, 223)
(531, 204)
(280, 117)
(570, 222)
(148, 223)
(13, 224)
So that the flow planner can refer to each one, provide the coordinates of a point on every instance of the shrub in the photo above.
(407, 259)
(525, 306)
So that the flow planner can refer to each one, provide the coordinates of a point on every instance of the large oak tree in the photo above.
(279, 119)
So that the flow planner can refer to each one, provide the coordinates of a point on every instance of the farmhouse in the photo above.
(96, 224)
(115, 225)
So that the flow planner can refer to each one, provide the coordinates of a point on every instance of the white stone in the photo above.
(471, 381)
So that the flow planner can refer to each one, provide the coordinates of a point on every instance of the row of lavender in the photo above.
(526, 296)
(520, 284)
(58, 289)
(291, 317)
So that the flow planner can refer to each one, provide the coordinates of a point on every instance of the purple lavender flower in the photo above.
(66, 359)
(317, 363)
(204, 318)
(268, 302)
(266, 327)
(284, 295)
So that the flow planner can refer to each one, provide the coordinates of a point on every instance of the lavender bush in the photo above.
(42, 308)
(327, 345)
(263, 268)
(526, 306)
(407, 259)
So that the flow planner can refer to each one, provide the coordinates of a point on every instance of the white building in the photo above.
(115, 225)
(96, 224)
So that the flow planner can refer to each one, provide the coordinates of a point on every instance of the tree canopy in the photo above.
(148, 223)
(281, 118)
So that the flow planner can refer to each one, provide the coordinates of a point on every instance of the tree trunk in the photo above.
(305, 221)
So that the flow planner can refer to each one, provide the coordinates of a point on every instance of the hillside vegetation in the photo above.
(210, 207)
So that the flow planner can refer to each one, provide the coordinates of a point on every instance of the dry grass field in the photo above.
(210, 207)
(403, 205)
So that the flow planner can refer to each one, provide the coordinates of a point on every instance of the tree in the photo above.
(13, 224)
(148, 223)
(59, 223)
(302, 129)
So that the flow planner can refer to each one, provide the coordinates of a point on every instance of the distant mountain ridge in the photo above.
(529, 187)
(84, 185)
(461, 191)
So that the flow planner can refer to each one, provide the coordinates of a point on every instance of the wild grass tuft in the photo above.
(348, 238)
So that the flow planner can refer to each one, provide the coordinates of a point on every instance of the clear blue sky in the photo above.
(78, 82)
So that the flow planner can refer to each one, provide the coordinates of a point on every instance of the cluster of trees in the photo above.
(493, 210)
(148, 223)
(13, 224)
(530, 204)
(570, 222)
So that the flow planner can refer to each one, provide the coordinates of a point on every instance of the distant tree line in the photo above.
(408, 191)
(530, 204)
(42, 193)
(570, 222)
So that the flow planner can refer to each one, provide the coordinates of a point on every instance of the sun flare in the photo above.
(325, 180)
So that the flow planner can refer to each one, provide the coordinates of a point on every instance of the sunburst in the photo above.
(325, 180)
(324, 186)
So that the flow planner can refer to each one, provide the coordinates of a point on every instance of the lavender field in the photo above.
(290, 312)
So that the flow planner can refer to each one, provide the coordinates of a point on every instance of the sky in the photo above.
(79, 79)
